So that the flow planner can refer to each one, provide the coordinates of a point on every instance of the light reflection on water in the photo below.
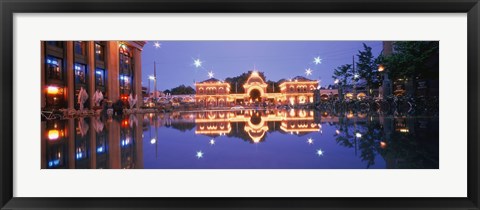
(244, 139)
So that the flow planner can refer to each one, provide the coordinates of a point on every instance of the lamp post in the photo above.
(156, 45)
(154, 80)
(381, 68)
(340, 89)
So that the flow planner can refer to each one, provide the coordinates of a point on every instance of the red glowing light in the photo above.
(124, 123)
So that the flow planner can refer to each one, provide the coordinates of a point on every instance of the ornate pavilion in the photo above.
(216, 93)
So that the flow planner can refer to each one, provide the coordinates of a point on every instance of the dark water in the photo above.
(247, 139)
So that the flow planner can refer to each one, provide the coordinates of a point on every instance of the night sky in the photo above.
(277, 59)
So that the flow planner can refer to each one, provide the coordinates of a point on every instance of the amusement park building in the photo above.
(297, 91)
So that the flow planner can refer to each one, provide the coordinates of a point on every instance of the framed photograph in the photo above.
(239, 105)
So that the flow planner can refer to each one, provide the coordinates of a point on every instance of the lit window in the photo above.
(99, 52)
(126, 70)
(100, 77)
(54, 68)
(125, 82)
(80, 47)
(80, 73)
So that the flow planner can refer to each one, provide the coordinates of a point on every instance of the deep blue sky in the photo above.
(278, 59)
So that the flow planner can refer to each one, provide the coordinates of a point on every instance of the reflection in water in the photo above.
(295, 138)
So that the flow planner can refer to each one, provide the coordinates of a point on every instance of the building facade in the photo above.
(298, 90)
(212, 92)
(112, 67)
(216, 93)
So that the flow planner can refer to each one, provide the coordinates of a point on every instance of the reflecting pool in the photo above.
(242, 139)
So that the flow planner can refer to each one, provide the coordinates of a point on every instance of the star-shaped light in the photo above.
(356, 76)
(210, 74)
(310, 141)
(308, 71)
(317, 60)
(197, 63)
(212, 142)
(319, 152)
(157, 45)
(199, 154)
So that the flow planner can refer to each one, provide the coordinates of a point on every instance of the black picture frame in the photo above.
(10, 7)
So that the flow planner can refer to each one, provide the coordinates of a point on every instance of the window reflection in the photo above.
(82, 144)
(56, 144)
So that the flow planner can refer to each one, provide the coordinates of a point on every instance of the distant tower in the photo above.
(387, 48)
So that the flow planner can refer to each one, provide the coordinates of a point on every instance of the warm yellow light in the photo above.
(404, 130)
(381, 68)
(383, 145)
(292, 113)
(350, 115)
(53, 134)
(349, 95)
(52, 90)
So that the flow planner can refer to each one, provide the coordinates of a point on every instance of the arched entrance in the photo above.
(255, 95)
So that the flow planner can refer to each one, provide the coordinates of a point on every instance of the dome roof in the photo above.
(255, 78)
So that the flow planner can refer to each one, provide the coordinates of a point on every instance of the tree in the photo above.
(413, 59)
(182, 90)
(343, 73)
(367, 67)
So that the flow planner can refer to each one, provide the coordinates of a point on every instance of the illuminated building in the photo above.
(325, 94)
(298, 90)
(113, 67)
(216, 93)
(212, 92)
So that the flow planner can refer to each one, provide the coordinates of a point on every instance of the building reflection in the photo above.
(402, 141)
(92, 143)
(54, 144)
(253, 125)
